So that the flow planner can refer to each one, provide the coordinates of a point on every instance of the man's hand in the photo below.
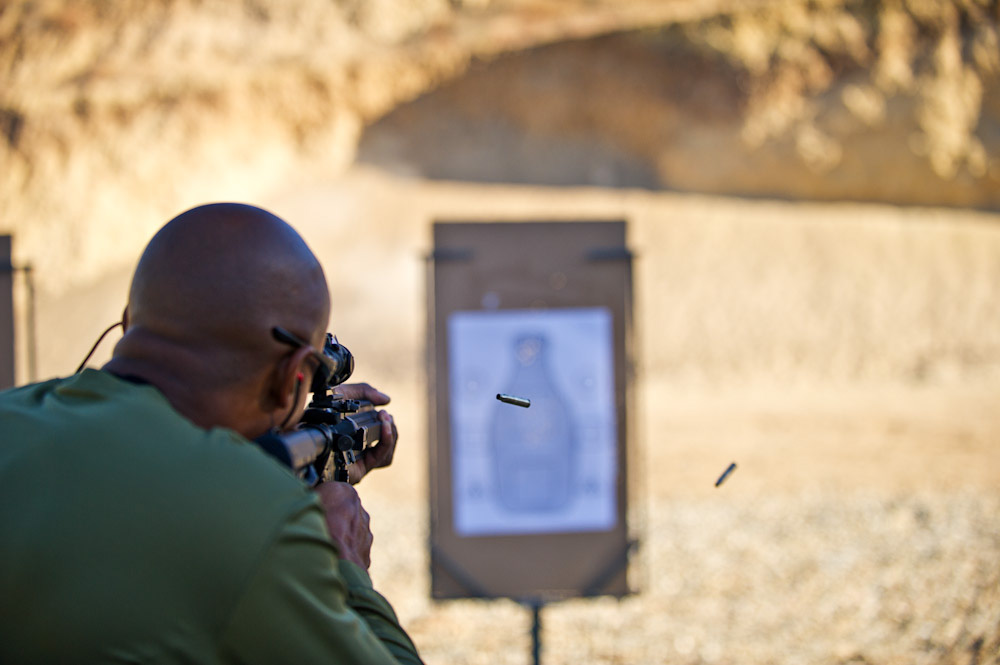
(380, 454)
(348, 522)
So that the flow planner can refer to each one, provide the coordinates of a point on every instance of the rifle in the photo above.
(333, 431)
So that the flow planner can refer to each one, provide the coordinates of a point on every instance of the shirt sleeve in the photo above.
(304, 605)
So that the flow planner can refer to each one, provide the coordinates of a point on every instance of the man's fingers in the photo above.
(348, 523)
(369, 540)
(339, 496)
(380, 454)
(386, 448)
(362, 391)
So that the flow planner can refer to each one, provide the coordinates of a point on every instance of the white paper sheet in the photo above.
(548, 468)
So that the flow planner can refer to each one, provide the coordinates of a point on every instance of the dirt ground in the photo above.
(847, 357)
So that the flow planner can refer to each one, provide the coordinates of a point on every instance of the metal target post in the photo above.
(536, 630)
(7, 325)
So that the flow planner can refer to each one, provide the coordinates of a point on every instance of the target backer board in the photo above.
(529, 503)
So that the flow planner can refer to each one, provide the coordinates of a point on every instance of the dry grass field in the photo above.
(847, 357)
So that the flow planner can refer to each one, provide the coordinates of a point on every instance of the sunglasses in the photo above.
(336, 364)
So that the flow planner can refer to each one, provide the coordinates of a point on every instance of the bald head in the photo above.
(217, 278)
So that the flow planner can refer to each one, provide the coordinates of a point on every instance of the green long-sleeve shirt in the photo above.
(129, 534)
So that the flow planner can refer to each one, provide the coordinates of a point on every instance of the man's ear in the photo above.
(287, 373)
(125, 320)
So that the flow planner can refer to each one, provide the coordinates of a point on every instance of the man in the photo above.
(138, 523)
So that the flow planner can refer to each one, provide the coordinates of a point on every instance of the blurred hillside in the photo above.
(877, 105)
(114, 116)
